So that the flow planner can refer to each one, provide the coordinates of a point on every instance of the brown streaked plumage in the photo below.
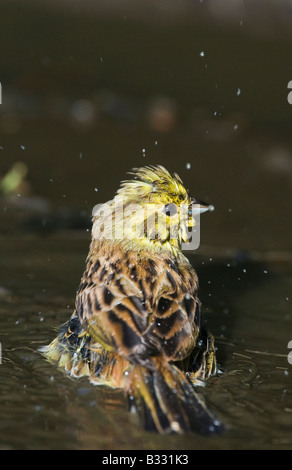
(137, 323)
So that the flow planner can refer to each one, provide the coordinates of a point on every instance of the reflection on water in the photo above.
(40, 407)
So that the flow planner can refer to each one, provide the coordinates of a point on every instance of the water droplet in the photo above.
(188, 166)
(96, 189)
(235, 127)
(22, 147)
(202, 53)
(238, 91)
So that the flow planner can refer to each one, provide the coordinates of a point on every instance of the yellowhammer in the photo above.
(137, 320)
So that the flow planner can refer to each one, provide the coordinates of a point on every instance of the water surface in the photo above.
(247, 306)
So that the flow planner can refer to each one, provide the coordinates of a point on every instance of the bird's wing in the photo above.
(176, 313)
(149, 321)
(138, 315)
(111, 308)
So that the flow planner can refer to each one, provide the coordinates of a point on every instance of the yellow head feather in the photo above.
(154, 184)
(153, 212)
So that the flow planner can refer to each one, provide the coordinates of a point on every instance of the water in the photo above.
(203, 93)
(41, 408)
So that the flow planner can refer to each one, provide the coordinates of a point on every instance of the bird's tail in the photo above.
(167, 401)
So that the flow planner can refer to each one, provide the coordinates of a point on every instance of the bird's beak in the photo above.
(198, 207)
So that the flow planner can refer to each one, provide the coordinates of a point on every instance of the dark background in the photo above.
(92, 89)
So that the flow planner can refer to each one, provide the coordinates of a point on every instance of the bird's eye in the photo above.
(170, 209)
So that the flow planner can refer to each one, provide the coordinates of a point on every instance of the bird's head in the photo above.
(152, 211)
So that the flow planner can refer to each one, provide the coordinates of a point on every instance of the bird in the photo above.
(137, 323)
